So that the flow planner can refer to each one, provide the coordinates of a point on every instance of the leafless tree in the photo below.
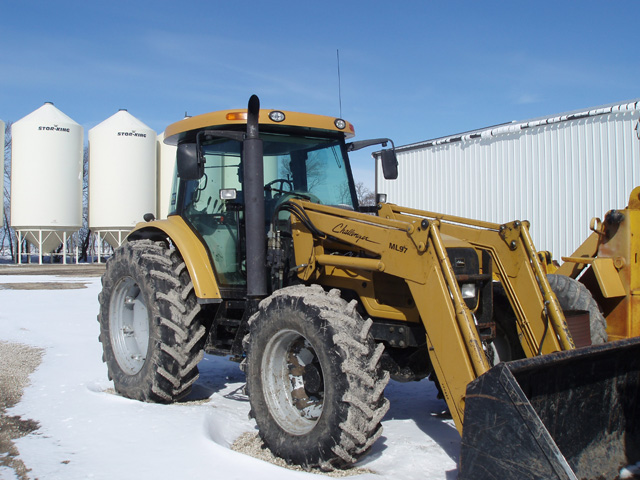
(8, 235)
(84, 235)
(365, 196)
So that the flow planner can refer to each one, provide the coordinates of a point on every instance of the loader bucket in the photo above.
(567, 415)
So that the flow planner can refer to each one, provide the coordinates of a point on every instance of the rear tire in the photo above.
(314, 378)
(151, 326)
(573, 295)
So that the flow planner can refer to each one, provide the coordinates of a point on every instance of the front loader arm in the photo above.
(409, 244)
(518, 269)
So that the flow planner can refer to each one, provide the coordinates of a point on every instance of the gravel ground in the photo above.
(42, 286)
(17, 362)
(250, 444)
(75, 270)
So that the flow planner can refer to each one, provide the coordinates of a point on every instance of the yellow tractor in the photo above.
(266, 256)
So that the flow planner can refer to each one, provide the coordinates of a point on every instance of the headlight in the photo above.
(470, 294)
(228, 194)
(469, 290)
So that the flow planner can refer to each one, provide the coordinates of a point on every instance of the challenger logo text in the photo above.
(344, 229)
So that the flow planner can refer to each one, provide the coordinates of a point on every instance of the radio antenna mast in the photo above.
(339, 83)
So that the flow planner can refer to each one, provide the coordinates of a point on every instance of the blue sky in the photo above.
(410, 70)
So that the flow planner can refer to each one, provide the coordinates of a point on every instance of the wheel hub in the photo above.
(129, 326)
(293, 382)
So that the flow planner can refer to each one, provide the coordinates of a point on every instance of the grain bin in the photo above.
(166, 166)
(122, 175)
(46, 178)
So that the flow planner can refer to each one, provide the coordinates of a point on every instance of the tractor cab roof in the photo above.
(270, 120)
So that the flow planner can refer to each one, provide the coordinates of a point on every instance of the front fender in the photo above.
(192, 250)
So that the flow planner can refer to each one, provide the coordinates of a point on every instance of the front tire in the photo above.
(151, 327)
(314, 378)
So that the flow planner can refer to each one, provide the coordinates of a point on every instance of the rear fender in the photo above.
(192, 250)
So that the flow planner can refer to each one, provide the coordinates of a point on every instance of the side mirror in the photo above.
(190, 166)
(389, 164)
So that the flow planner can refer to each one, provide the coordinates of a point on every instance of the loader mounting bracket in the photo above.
(510, 233)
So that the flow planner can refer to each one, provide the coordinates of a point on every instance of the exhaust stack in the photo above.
(255, 230)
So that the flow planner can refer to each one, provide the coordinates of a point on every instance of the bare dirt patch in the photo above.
(250, 444)
(43, 286)
(74, 270)
(17, 362)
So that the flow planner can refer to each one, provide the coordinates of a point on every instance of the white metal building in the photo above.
(557, 172)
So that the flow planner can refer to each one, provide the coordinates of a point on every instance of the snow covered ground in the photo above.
(86, 431)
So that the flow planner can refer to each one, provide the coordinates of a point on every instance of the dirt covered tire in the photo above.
(573, 295)
(151, 327)
(314, 378)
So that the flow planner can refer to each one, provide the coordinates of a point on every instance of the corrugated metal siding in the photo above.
(556, 175)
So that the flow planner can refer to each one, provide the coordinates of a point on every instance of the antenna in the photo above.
(339, 85)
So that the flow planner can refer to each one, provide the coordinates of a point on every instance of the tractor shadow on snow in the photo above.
(418, 402)
(216, 374)
(413, 401)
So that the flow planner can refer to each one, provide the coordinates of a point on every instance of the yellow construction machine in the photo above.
(267, 256)
(607, 264)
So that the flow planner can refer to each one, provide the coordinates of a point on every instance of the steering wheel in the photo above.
(282, 182)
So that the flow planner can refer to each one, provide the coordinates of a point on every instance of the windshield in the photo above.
(308, 166)
(304, 165)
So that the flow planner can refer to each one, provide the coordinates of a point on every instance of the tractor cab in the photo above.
(209, 191)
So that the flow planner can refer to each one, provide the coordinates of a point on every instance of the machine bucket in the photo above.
(567, 415)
